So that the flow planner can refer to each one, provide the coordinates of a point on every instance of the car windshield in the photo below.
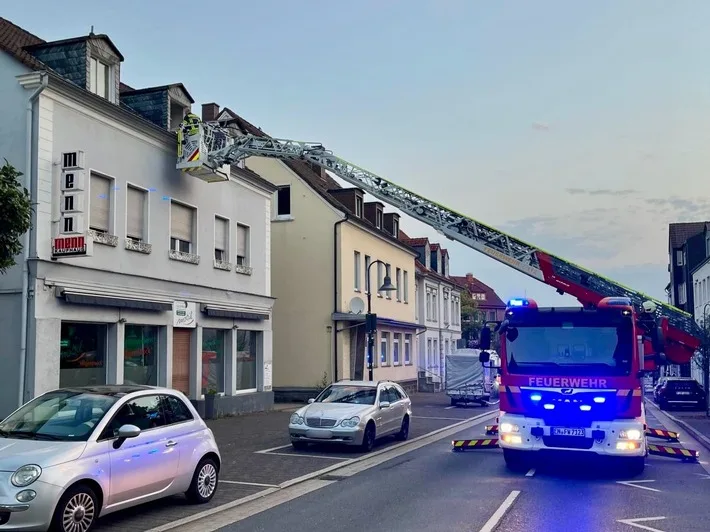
(579, 350)
(62, 415)
(359, 395)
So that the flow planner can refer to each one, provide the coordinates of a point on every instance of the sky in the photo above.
(580, 127)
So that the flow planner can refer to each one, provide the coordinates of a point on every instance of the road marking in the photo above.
(633, 484)
(530, 473)
(705, 477)
(635, 522)
(264, 451)
(450, 407)
(203, 521)
(434, 417)
(500, 512)
(325, 456)
(249, 483)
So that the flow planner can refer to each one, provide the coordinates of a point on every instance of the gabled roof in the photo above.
(320, 182)
(14, 39)
(73, 40)
(678, 233)
(476, 286)
(125, 89)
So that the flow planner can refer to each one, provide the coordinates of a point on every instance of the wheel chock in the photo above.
(491, 429)
(663, 434)
(687, 455)
(463, 445)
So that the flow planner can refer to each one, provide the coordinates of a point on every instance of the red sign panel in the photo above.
(69, 246)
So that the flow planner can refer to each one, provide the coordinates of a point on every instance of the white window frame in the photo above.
(407, 356)
(379, 216)
(384, 339)
(111, 199)
(194, 250)
(93, 80)
(228, 240)
(395, 228)
(289, 215)
(405, 287)
(679, 257)
(146, 213)
(380, 278)
(357, 267)
(388, 294)
(399, 285)
(247, 246)
(396, 344)
(359, 205)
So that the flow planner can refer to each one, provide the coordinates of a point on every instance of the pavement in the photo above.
(432, 488)
(258, 457)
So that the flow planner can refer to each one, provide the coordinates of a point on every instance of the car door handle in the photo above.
(171, 443)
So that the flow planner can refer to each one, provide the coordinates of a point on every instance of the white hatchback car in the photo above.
(72, 455)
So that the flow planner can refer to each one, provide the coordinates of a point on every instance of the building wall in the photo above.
(302, 281)
(701, 313)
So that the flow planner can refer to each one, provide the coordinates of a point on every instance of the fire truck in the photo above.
(648, 333)
(572, 379)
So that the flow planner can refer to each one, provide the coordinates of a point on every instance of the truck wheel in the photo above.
(515, 460)
(636, 465)
(454, 402)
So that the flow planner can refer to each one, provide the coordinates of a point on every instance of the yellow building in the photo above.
(323, 237)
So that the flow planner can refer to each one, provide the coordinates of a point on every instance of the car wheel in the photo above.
(204, 482)
(299, 445)
(77, 510)
(403, 433)
(368, 439)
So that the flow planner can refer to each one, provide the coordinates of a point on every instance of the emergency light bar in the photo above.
(522, 303)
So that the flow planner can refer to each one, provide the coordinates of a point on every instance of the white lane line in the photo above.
(434, 417)
(500, 512)
(327, 457)
(249, 483)
(264, 451)
(634, 484)
(530, 473)
(450, 407)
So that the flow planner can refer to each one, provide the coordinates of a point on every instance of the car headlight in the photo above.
(25, 475)
(296, 419)
(352, 422)
(631, 434)
(508, 427)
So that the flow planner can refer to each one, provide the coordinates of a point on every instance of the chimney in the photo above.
(210, 111)
(469, 278)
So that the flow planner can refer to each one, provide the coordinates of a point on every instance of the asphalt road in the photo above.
(435, 489)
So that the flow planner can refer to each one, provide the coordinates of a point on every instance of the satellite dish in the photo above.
(357, 305)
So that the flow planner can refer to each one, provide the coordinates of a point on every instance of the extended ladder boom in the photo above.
(682, 336)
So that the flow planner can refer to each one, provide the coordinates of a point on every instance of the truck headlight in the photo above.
(25, 475)
(508, 427)
(349, 423)
(296, 420)
(630, 434)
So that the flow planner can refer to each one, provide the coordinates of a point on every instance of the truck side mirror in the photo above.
(484, 357)
(485, 341)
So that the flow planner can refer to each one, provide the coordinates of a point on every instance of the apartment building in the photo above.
(438, 309)
(325, 240)
(135, 272)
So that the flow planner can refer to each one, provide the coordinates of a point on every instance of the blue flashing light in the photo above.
(620, 301)
(535, 397)
(599, 399)
(585, 408)
(518, 303)
(549, 407)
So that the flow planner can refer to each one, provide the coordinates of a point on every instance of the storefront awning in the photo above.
(81, 297)
(235, 314)
(388, 322)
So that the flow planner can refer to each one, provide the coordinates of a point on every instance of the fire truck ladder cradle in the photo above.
(212, 148)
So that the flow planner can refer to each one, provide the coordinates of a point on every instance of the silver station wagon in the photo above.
(74, 454)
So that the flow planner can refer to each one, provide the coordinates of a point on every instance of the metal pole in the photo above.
(706, 365)
(369, 325)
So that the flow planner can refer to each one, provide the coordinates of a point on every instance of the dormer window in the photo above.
(358, 206)
(378, 219)
(100, 78)
(395, 228)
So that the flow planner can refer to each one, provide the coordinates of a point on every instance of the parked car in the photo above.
(72, 455)
(353, 413)
(681, 392)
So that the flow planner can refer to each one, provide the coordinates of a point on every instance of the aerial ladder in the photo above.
(207, 151)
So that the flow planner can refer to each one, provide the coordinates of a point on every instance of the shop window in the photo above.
(246, 359)
(212, 360)
(140, 355)
(82, 354)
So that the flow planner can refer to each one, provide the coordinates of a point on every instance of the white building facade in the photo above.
(135, 272)
(701, 312)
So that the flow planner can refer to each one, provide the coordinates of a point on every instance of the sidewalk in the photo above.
(697, 424)
(257, 455)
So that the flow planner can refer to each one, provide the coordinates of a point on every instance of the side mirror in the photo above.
(485, 341)
(384, 404)
(484, 357)
(125, 432)
(311, 401)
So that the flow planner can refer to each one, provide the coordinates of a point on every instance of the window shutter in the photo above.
(242, 237)
(220, 233)
(181, 222)
(135, 214)
(100, 203)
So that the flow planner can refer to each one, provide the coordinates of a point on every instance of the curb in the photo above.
(702, 439)
(455, 427)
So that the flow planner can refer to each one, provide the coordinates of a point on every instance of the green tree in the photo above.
(471, 318)
(16, 208)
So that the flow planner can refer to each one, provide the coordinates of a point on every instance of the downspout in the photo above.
(336, 247)
(27, 237)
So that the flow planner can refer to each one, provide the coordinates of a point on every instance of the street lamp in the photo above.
(370, 318)
(706, 366)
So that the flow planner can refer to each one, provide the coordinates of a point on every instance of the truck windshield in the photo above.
(569, 350)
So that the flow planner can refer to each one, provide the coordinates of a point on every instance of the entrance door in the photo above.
(181, 360)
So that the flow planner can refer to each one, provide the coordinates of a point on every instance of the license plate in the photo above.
(319, 434)
(564, 431)
(683, 393)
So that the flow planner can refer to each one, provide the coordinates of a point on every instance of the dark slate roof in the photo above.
(678, 233)
(74, 40)
(125, 89)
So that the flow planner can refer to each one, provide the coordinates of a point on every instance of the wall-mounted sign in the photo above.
(184, 314)
(72, 239)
